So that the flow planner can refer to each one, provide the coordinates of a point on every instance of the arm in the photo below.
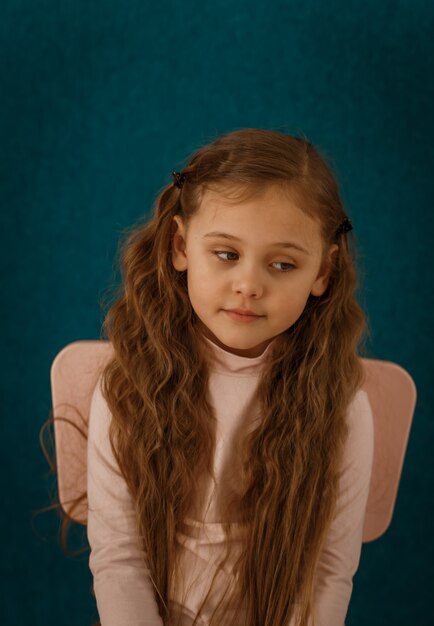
(341, 554)
(123, 590)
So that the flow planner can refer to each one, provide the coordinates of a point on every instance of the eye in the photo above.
(217, 252)
(290, 266)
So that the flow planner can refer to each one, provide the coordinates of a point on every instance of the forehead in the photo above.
(260, 210)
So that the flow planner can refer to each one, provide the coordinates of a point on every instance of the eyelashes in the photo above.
(218, 252)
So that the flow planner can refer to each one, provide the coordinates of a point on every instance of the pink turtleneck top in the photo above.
(123, 590)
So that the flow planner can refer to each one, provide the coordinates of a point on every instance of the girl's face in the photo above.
(236, 258)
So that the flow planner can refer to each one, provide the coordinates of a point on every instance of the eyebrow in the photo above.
(280, 244)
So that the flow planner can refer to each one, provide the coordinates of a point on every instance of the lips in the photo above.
(244, 312)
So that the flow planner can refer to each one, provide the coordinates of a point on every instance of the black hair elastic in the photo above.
(344, 227)
(178, 179)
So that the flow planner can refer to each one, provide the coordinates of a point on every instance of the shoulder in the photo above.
(360, 419)
(360, 403)
(359, 448)
(99, 414)
(97, 394)
(359, 414)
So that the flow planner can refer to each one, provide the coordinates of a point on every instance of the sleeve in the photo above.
(341, 554)
(123, 590)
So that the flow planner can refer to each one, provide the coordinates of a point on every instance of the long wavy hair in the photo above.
(162, 431)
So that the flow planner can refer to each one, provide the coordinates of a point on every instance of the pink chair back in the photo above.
(74, 374)
(392, 395)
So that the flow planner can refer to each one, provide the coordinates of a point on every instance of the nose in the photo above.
(248, 283)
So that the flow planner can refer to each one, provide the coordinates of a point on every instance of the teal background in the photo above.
(100, 101)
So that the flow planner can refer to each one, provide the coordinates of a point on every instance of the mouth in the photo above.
(244, 312)
(242, 316)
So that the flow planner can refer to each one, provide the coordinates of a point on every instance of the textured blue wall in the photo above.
(100, 101)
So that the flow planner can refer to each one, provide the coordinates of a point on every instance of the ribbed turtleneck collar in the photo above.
(228, 363)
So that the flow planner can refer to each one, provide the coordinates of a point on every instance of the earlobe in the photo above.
(320, 285)
(179, 256)
(322, 280)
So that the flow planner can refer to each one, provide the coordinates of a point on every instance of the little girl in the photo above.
(230, 444)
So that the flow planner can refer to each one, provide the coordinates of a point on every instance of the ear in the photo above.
(322, 280)
(179, 256)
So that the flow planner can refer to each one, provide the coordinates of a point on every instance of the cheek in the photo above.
(202, 274)
(200, 285)
(294, 296)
